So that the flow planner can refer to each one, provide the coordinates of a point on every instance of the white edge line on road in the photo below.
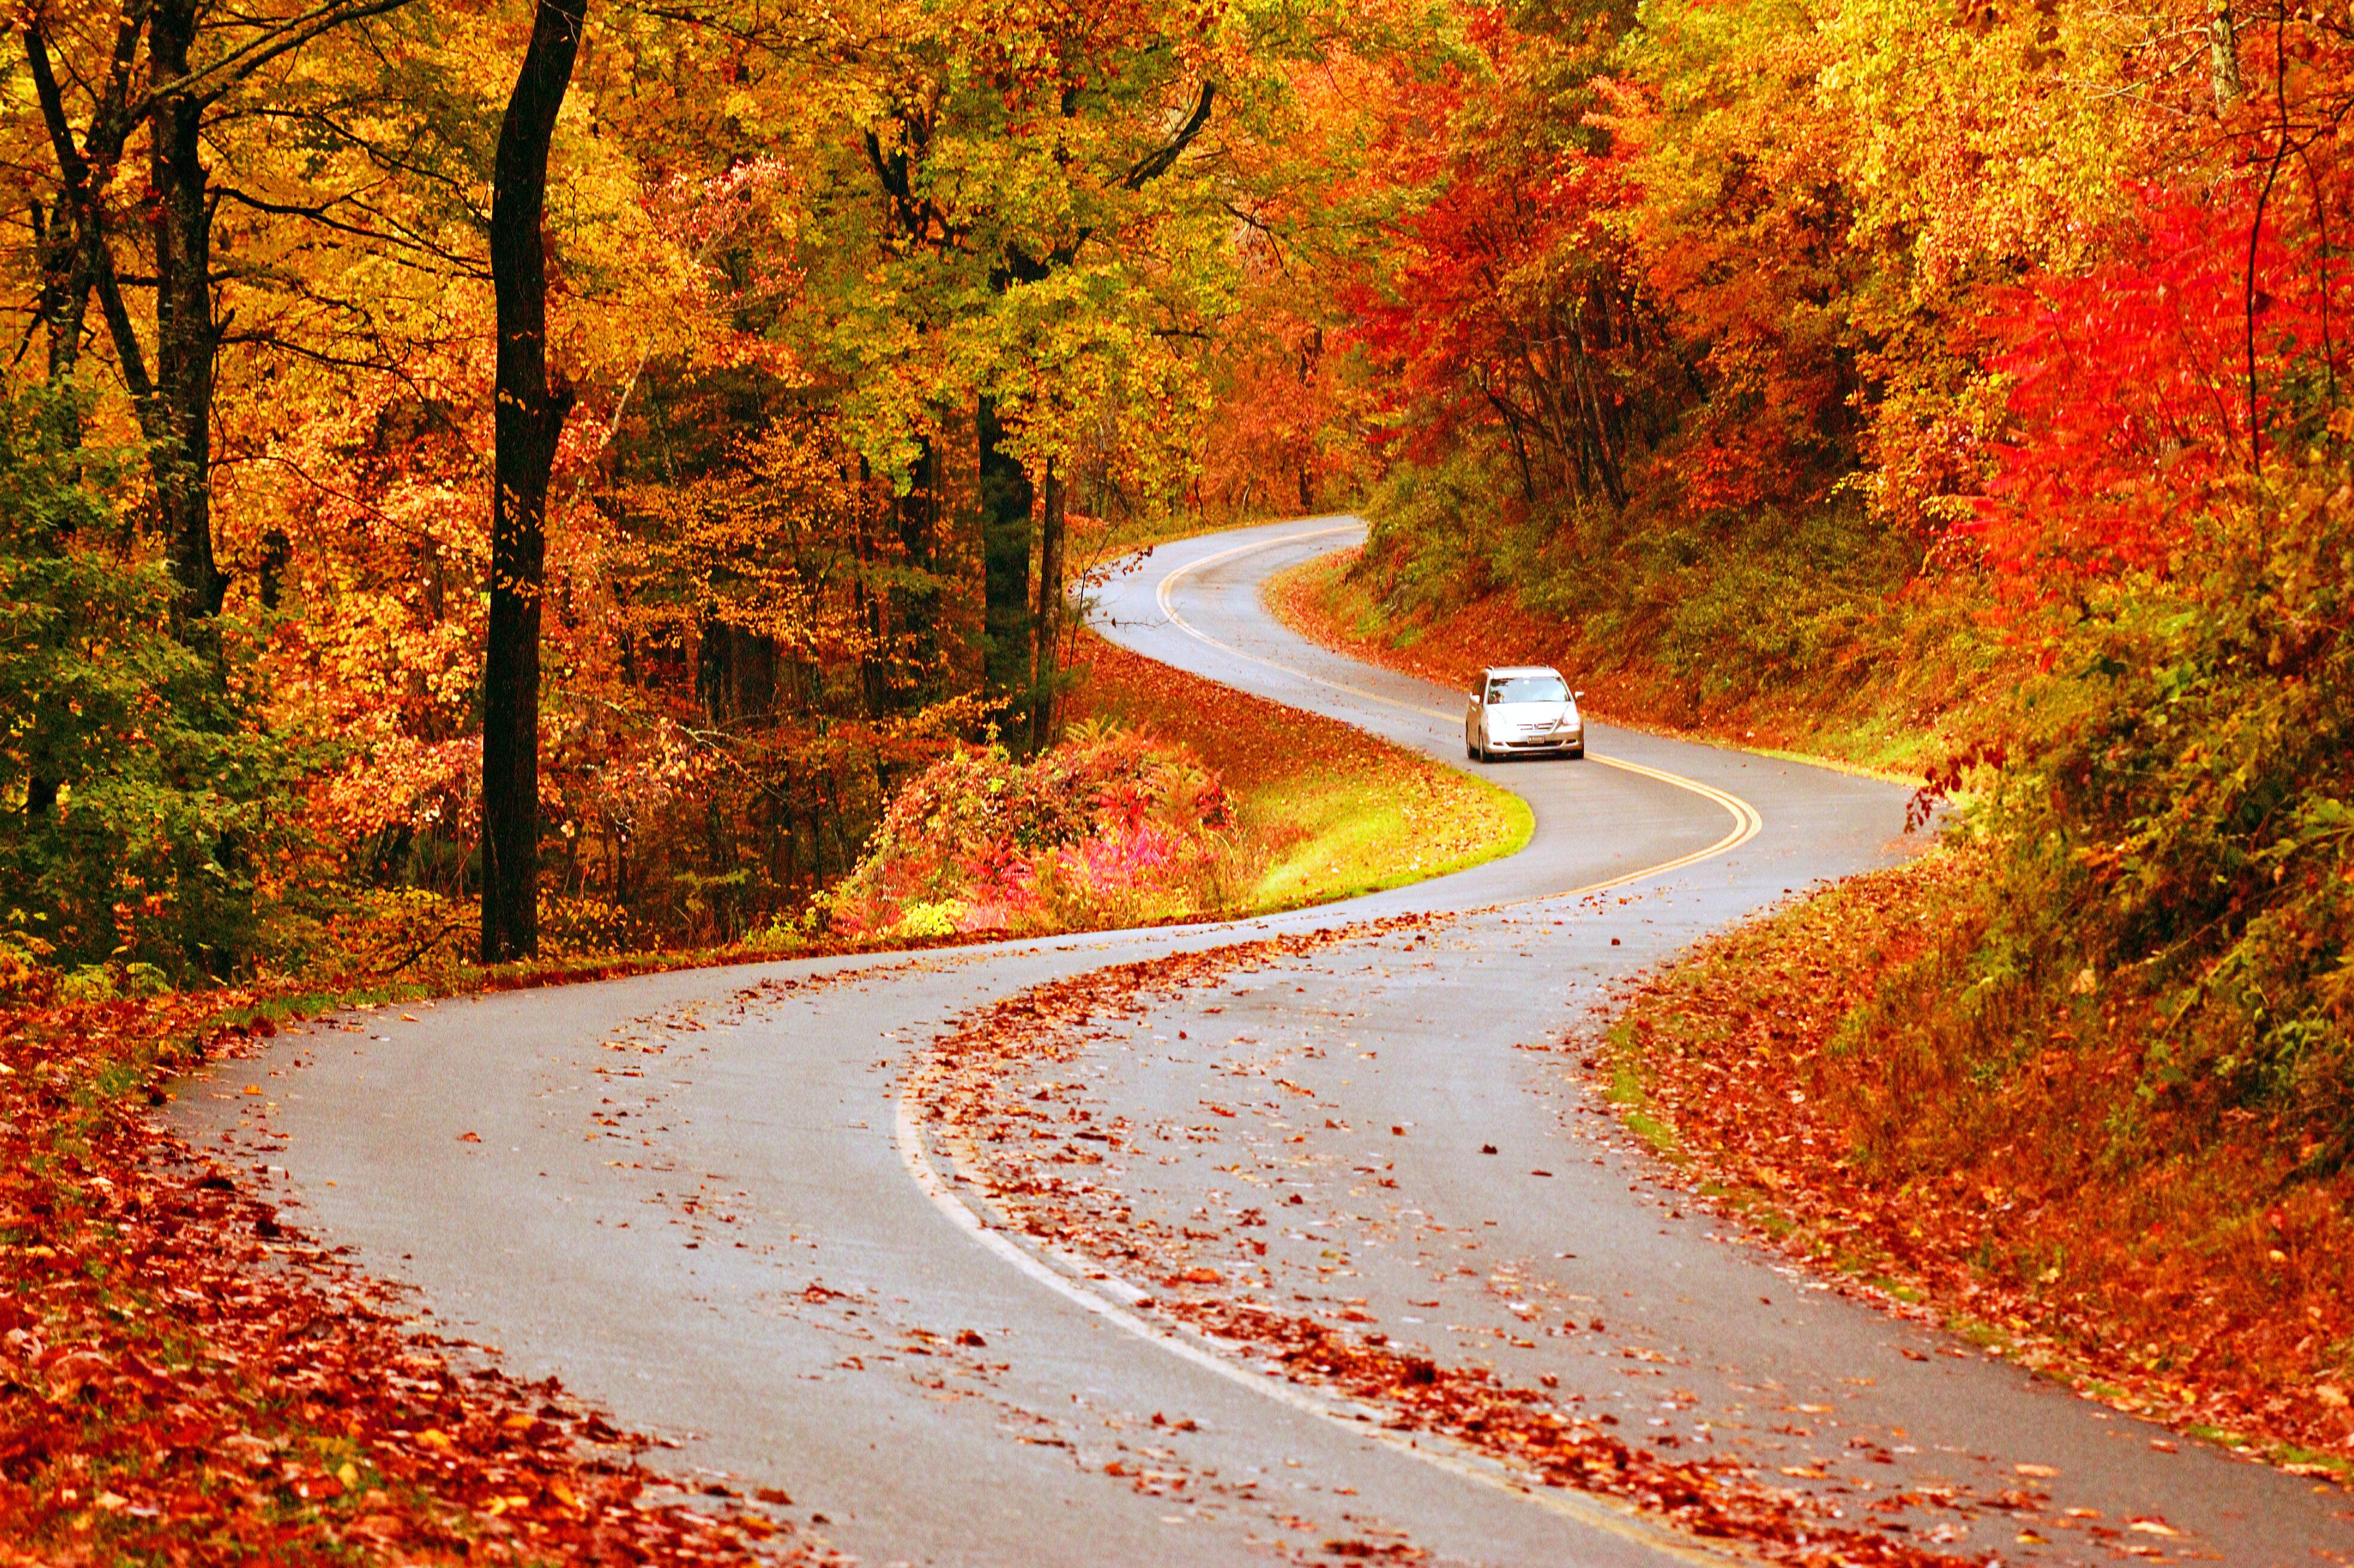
(1609, 1519)
(1620, 1520)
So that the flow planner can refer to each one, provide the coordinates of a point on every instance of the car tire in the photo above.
(1470, 749)
(1577, 753)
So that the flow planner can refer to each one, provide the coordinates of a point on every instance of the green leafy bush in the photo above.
(137, 783)
(2177, 818)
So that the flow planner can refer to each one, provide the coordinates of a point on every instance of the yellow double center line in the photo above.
(1746, 823)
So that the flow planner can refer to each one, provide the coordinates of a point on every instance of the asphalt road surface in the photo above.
(706, 1202)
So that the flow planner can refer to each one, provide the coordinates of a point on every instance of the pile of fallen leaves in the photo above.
(1045, 1170)
(183, 1380)
(1839, 1071)
(1717, 1499)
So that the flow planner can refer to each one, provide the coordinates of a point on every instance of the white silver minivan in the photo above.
(1523, 708)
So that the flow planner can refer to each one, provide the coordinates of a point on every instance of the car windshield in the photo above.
(1528, 689)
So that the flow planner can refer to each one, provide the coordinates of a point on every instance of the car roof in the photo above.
(1511, 669)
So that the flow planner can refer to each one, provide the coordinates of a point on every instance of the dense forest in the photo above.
(629, 441)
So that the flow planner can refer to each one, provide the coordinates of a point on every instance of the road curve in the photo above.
(703, 1201)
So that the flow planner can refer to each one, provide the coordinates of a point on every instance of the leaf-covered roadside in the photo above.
(1801, 644)
(1853, 1074)
(184, 1380)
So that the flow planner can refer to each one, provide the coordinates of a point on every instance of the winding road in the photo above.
(709, 1203)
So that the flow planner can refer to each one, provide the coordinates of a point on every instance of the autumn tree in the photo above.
(1048, 190)
(167, 70)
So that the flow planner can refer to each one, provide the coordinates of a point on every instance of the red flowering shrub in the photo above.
(1108, 827)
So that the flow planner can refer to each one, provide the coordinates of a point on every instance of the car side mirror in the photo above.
(1574, 695)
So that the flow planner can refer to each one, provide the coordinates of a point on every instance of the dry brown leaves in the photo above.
(183, 1380)
(1043, 1162)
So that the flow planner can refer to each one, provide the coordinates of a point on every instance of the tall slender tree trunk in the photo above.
(187, 338)
(1052, 498)
(528, 419)
(77, 221)
(1006, 497)
(2223, 54)
(65, 286)
(915, 615)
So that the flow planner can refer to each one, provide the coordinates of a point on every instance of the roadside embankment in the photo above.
(1885, 693)
(1851, 1074)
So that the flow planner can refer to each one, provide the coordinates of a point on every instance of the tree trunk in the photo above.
(1052, 498)
(78, 222)
(1005, 500)
(915, 615)
(736, 674)
(187, 338)
(65, 286)
(528, 419)
(2223, 54)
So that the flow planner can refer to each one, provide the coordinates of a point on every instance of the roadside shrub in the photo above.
(2177, 820)
(137, 781)
(1108, 827)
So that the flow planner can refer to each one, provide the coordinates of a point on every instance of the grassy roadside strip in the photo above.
(2004, 1174)
(1324, 810)
(1834, 720)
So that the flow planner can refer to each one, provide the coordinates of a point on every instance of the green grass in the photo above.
(1342, 837)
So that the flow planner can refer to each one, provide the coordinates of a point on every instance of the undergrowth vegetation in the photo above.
(1105, 830)
(2176, 821)
(2086, 1072)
